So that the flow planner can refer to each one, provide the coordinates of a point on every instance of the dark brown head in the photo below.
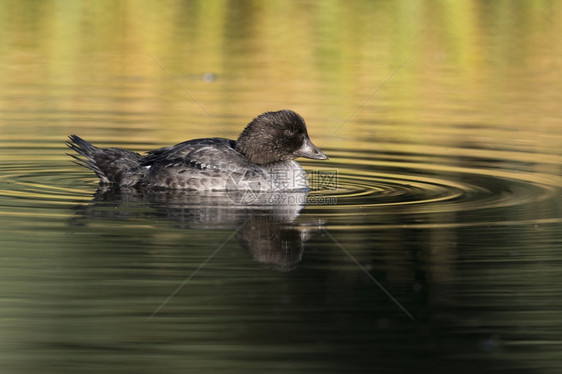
(277, 136)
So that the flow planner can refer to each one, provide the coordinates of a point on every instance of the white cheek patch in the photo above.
(305, 148)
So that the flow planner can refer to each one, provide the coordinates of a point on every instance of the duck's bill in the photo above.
(309, 150)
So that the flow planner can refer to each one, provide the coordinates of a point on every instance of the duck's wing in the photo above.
(202, 154)
(200, 164)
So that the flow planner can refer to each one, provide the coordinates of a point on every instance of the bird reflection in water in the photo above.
(266, 224)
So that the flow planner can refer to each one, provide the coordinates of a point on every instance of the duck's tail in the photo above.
(111, 165)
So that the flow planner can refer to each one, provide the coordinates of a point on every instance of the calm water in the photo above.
(432, 239)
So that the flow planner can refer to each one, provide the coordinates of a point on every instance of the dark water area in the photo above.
(431, 240)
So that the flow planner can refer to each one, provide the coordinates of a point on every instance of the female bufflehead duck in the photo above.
(262, 158)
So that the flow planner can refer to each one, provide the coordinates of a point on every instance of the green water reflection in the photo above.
(441, 119)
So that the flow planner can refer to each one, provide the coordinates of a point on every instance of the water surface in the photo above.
(430, 242)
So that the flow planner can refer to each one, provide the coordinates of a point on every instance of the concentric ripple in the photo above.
(413, 187)
(467, 189)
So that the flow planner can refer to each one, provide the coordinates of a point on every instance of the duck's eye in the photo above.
(288, 133)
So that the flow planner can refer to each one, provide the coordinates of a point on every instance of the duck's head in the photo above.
(277, 136)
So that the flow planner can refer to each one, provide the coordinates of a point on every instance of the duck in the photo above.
(261, 159)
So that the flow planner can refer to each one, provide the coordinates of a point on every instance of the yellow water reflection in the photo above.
(86, 67)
